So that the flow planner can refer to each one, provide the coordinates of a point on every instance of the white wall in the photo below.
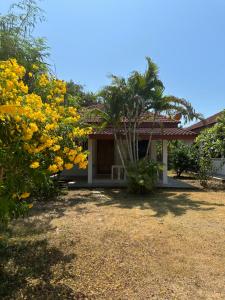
(219, 166)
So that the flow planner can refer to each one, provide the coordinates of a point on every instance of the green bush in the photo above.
(211, 144)
(183, 158)
(142, 176)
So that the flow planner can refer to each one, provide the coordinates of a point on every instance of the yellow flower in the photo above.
(79, 158)
(30, 74)
(55, 148)
(17, 118)
(66, 150)
(58, 160)
(27, 137)
(50, 126)
(34, 165)
(24, 195)
(33, 127)
(43, 80)
(53, 168)
(83, 165)
(68, 166)
(72, 152)
(49, 143)
(30, 205)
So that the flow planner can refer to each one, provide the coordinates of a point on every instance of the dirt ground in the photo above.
(106, 244)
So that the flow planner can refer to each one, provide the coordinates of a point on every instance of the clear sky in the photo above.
(90, 39)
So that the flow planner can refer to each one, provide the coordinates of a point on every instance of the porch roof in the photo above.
(144, 133)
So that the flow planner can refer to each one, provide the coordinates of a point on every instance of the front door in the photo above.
(105, 156)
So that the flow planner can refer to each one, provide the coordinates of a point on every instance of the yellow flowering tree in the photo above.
(38, 135)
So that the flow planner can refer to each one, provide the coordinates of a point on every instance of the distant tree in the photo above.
(76, 95)
(16, 40)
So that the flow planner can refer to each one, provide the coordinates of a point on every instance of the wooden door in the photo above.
(105, 156)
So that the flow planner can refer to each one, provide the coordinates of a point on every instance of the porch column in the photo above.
(90, 161)
(165, 162)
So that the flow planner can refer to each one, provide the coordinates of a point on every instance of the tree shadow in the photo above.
(31, 267)
(27, 271)
(161, 202)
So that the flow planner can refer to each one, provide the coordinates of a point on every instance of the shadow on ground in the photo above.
(32, 268)
(161, 202)
(27, 266)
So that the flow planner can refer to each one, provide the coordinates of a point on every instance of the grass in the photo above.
(106, 244)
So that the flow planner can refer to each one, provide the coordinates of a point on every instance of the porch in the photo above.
(104, 163)
(105, 167)
(77, 183)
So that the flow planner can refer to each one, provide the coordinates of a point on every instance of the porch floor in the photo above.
(107, 183)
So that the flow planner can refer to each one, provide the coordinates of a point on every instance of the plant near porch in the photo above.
(127, 104)
(142, 176)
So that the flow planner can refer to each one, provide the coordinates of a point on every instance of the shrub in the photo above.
(183, 158)
(38, 136)
(211, 144)
(142, 176)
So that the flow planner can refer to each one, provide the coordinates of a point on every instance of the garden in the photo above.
(134, 243)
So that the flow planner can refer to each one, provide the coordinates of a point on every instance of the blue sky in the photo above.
(90, 39)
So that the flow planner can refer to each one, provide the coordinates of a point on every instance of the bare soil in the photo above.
(107, 244)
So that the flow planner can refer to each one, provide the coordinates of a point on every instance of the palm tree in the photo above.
(126, 102)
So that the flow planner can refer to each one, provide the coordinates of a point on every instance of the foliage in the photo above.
(183, 157)
(211, 144)
(142, 176)
(38, 135)
(16, 40)
(76, 96)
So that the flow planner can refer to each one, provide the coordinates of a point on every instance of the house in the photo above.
(206, 123)
(218, 163)
(104, 162)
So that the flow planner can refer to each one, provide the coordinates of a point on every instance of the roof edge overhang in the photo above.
(146, 137)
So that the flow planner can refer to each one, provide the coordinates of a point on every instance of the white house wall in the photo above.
(219, 166)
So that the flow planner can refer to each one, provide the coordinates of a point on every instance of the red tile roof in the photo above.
(158, 133)
(210, 121)
(146, 117)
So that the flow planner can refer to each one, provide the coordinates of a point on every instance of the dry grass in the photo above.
(109, 245)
